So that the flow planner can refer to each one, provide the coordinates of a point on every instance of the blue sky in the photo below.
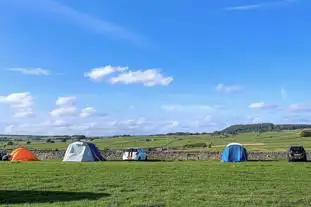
(142, 67)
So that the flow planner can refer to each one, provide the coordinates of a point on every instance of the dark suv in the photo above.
(296, 153)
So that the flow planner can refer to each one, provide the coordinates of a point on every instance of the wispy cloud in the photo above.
(30, 71)
(83, 20)
(97, 74)
(228, 88)
(284, 93)
(179, 107)
(260, 6)
(300, 108)
(245, 7)
(262, 105)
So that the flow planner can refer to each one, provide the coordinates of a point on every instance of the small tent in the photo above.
(82, 152)
(23, 154)
(234, 152)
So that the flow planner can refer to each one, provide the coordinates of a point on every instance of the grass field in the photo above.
(271, 141)
(188, 183)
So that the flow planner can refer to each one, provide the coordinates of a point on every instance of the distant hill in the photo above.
(263, 127)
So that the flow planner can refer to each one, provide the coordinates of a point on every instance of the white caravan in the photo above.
(134, 154)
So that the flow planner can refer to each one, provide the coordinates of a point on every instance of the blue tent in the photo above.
(234, 152)
(96, 153)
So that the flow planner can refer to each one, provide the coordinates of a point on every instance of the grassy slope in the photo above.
(156, 183)
(272, 141)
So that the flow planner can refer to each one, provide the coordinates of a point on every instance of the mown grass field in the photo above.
(271, 141)
(188, 183)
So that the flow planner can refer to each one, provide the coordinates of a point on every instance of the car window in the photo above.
(297, 149)
(131, 150)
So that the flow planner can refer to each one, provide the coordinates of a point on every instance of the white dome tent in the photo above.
(82, 152)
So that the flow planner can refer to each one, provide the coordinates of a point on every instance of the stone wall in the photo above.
(168, 155)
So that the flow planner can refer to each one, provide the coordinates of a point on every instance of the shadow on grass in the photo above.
(151, 205)
(139, 160)
(300, 161)
(21, 197)
(263, 160)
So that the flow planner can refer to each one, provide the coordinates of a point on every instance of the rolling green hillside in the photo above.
(263, 127)
(267, 141)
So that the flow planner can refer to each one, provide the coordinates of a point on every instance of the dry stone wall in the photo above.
(168, 155)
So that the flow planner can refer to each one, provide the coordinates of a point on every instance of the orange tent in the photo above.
(23, 154)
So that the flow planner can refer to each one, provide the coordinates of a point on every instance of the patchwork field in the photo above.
(188, 183)
(271, 141)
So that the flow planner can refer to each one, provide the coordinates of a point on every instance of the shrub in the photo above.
(210, 145)
(49, 141)
(63, 140)
(305, 133)
(105, 150)
(195, 145)
(10, 143)
(28, 142)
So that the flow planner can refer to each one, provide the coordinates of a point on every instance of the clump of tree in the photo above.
(210, 145)
(10, 143)
(305, 133)
(63, 140)
(28, 142)
(50, 141)
(78, 137)
(105, 150)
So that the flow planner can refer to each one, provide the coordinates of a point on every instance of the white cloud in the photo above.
(66, 101)
(87, 112)
(170, 125)
(23, 113)
(60, 123)
(254, 120)
(300, 107)
(100, 73)
(66, 106)
(10, 129)
(245, 7)
(283, 93)
(132, 107)
(21, 103)
(260, 6)
(31, 71)
(150, 77)
(108, 126)
(131, 123)
(262, 105)
(18, 100)
(82, 19)
(66, 111)
(178, 107)
(228, 88)
(297, 119)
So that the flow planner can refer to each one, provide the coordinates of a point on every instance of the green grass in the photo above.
(189, 183)
(272, 141)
